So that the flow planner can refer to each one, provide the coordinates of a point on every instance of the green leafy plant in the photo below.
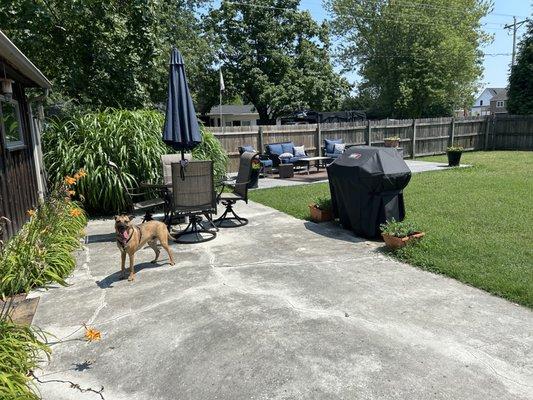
(41, 252)
(398, 228)
(21, 350)
(392, 139)
(455, 149)
(131, 139)
(323, 203)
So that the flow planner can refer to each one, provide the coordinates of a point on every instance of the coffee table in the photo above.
(320, 162)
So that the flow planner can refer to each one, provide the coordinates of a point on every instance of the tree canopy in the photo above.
(276, 56)
(417, 58)
(111, 53)
(520, 94)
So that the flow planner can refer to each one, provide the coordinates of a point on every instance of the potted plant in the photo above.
(254, 175)
(393, 141)
(321, 210)
(398, 233)
(454, 155)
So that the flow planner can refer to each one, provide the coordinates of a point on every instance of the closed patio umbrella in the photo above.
(181, 130)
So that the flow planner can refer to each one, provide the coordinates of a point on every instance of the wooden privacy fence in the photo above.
(420, 137)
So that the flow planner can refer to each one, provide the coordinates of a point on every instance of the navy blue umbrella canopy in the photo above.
(181, 130)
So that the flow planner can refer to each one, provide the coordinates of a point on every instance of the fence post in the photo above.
(452, 132)
(413, 140)
(260, 139)
(487, 129)
(318, 140)
(368, 133)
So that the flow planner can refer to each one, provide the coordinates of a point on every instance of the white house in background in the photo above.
(482, 103)
(233, 115)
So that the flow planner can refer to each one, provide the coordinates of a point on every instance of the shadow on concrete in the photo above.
(108, 281)
(333, 231)
(102, 238)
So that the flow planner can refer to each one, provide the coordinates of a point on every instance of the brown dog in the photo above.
(131, 238)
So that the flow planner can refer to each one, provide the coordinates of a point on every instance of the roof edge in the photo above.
(17, 59)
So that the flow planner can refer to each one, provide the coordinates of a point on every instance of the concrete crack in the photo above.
(73, 385)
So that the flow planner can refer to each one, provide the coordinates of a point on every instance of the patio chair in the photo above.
(133, 194)
(239, 193)
(266, 162)
(193, 197)
(166, 161)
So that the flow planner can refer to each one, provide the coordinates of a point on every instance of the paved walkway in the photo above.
(414, 165)
(280, 309)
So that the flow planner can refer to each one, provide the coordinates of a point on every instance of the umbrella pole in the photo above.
(182, 165)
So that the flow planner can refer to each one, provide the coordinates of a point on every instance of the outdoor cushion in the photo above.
(332, 155)
(286, 155)
(339, 148)
(248, 148)
(275, 149)
(292, 160)
(330, 144)
(288, 147)
(299, 151)
(266, 163)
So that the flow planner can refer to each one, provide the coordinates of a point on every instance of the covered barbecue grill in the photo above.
(366, 186)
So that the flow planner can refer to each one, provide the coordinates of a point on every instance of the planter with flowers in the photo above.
(393, 141)
(454, 155)
(321, 210)
(397, 234)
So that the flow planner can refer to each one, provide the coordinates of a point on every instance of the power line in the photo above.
(515, 25)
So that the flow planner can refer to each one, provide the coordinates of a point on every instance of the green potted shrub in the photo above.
(393, 141)
(321, 210)
(454, 155)
(397, 234)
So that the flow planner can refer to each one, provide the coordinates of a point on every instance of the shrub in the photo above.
(21, 349)
(41, 252)
(131, 139)
(455, 149)
(398, 228)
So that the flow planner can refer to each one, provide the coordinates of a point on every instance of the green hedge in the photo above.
(132, 139)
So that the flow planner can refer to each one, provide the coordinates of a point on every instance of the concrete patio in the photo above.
(279, 309)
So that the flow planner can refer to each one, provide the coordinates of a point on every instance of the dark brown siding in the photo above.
(18, 181)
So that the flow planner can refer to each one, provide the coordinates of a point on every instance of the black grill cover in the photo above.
(366, 186)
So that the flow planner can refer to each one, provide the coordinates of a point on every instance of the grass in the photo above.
(478, 220)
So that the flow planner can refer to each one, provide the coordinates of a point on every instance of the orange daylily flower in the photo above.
(31, 213)
(81, 173)
(71, 192)
(69, 180)
(75, 212)
(92, 335)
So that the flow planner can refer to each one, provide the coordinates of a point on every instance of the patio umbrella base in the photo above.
(195, 232)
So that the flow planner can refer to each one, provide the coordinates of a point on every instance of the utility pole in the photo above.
(515, 25)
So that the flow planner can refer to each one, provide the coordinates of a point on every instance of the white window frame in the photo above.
(499, 103)
(17, 144)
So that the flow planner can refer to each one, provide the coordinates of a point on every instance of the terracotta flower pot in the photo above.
(394, 242)
(318, 215)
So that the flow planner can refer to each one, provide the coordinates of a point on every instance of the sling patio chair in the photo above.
(166, 163)
(239, 193)
(193, 196)
(133, 197)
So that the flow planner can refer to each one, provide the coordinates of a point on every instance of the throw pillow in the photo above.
(299, 151)
(330, 144)
(339, 148)
(286, 155)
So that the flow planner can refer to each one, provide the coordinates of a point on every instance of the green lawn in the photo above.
(478, 221)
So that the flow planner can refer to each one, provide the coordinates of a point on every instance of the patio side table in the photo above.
(286, 170)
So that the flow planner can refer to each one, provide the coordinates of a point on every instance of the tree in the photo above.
(417, 58)
(110, 53)
(520, 93)
(276, 57)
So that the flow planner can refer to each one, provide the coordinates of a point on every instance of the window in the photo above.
(480, 102)
(499, 104)
(10, 123)
(246, 123)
